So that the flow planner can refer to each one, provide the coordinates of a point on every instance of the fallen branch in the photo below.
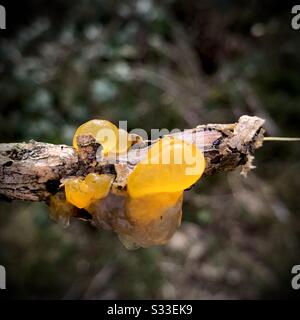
(33, 171)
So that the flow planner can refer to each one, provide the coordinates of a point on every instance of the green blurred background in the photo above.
(157, 64)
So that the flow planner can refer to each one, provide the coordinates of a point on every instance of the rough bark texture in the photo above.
(33, 171)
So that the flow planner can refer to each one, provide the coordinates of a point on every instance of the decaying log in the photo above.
(34, 170)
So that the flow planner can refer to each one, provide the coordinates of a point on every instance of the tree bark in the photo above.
(34, 170)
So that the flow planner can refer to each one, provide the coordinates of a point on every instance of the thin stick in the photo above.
(281, 139)
(33, 171)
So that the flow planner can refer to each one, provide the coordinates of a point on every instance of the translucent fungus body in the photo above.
(60, 210)
(155, 191)
(122, 144)
(82, 192)
(134, 231)
(159, 217)
(77, 192)
(99, 184)
(150, 207)
(103, 131)
(171, 165)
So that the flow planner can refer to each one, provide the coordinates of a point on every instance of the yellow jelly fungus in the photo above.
(123, 142)
(154, 218)
(151, 210)
(103, 131)
(82, 192)
(99, 183)
(77, 192)
(155, 190)
(60, 210)
(171, 165)
(151, 207)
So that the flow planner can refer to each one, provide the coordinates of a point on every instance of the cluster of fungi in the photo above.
(120, 182)
(148, 210)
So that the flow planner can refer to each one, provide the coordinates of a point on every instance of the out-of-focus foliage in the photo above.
(157, 64)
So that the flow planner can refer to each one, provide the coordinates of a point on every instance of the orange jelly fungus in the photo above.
(171, 165)
(82, 192)
(103, 131)
(112, 139)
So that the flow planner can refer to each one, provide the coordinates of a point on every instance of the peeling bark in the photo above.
(33, 171)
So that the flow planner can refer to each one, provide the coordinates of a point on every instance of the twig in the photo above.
(34, 170)
(281, 139)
